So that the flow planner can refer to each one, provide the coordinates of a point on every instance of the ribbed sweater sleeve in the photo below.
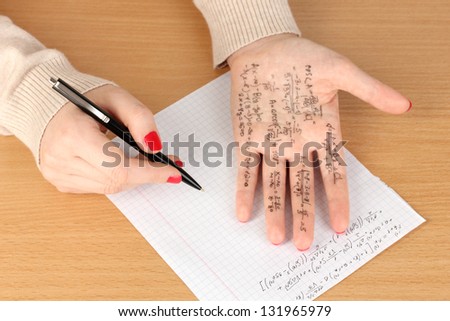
(27, 101)
(234, 24)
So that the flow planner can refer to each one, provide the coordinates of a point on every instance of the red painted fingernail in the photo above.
(304, 250)
(174, 179)
(153, 141)
(410, 106)
(179, 163)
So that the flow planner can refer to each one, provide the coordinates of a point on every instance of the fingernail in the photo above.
(340, 232)
(153, 141)
(410, 106)
(179, 163)
(174, 179)
(304, 250)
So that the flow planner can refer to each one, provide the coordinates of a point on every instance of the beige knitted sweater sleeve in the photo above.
(27, 102)
(234, 24)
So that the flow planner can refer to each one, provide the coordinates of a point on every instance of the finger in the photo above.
(247, 178)
(75, 181)
(80, 167)
(81, 185)
(302, 197)
(334, 176)
(133, 114)
(174, 158)
(360, 84)
(274, 186)
(121, 171)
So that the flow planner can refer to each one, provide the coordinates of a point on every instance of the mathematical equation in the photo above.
(325, 264)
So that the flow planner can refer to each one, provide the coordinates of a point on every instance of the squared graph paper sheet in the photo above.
(219, 258)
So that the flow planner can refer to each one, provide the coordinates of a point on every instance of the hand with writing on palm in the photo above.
(285, 111)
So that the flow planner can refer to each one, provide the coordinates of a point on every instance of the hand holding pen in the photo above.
(72, 147)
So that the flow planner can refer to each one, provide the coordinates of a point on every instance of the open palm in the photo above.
(286, 119)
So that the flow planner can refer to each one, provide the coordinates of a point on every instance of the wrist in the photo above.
(258, 46)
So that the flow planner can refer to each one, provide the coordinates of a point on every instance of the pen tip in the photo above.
(202, 190)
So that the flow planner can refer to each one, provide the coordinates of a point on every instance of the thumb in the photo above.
(133, 114)
(360, 84)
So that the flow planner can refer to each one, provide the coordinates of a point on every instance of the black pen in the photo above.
(115, 126)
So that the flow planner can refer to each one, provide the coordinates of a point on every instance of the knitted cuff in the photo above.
(234, 24)
(33, 103)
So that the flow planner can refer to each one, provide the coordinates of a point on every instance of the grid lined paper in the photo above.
(218, 257)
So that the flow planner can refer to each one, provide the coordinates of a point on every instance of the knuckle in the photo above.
(109, 189)
(140, 112)
(117, 180)
(161, 176)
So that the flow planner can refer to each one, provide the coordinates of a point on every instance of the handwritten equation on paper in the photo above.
(326, 263)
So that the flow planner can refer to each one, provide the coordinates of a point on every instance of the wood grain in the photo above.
(56, 246)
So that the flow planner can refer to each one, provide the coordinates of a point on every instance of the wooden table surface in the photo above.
(56, 246)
